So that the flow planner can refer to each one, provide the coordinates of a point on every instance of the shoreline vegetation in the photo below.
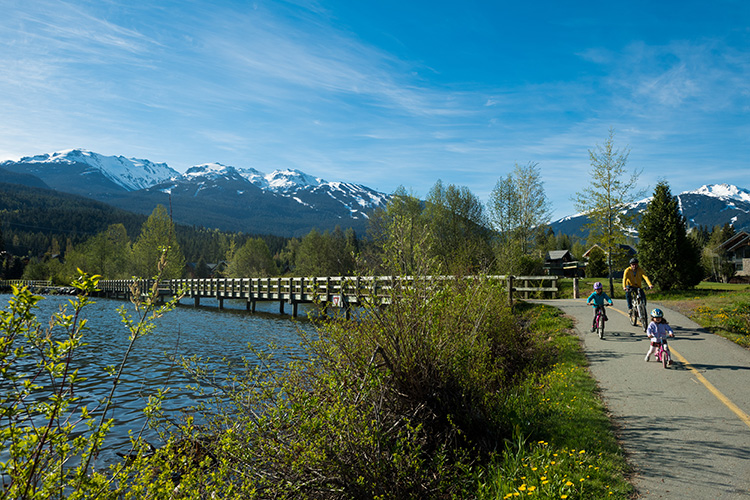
(447, 393)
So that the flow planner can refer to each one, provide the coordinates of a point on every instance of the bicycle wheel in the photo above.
(633, 316)
(600, 325)
(664, 357)
(642, 314)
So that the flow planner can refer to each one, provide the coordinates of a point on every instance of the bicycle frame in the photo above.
(638, 311)
(661, 352)
(599, 321)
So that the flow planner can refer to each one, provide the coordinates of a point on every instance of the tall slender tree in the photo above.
(606, 199)
(519, 211)
(672, 259)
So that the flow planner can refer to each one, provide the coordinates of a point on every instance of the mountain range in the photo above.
(284, 202)
(710, 205)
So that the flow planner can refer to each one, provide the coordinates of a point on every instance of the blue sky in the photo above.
(386, 93)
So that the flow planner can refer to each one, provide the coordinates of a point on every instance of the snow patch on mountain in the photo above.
(130, 173)
(723, 191)
(283, 181)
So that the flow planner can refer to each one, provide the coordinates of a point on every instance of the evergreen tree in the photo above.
(157, 236)
(597, 265)
(671, 259)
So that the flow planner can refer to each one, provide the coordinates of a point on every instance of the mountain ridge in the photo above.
(286, 202)
(709, 206)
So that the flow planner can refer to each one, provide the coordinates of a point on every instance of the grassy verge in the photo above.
(721, 308)
(564, 445)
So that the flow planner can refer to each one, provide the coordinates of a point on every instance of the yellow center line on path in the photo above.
(713, 390)
(716, 392)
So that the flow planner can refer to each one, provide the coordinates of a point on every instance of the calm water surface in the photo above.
(187, 331)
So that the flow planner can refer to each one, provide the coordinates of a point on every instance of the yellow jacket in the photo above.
(630, 278)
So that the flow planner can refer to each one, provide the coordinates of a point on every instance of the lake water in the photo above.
(187, 331)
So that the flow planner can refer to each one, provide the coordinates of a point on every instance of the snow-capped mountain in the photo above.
(710, 205)
(96, 169)
(284, 202)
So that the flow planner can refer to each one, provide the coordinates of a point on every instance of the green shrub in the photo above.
(402, 403)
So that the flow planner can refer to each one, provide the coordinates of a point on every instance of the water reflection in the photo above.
(204, 332)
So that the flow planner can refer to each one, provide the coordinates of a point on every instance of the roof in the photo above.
(630, 250)
(738, 240)
(559, 255)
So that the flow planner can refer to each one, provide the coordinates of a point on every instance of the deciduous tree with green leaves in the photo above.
(672, 259)
(253, 259)
(606, 199)
(519, 211)
(401, 236)
(158, 234)
(458, 225)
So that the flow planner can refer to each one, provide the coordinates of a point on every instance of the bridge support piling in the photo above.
(221, 303)
(197, 301)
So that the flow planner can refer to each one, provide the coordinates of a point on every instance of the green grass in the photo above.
(564, 445)
(721, 308)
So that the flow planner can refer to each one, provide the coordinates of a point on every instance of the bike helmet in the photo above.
(598, 285)
(656, 313)
(634, 260)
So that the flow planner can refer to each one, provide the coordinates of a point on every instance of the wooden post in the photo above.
(510, 290)
(576, 291)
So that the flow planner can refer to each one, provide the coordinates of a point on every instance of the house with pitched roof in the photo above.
(738, 252)
(562, 263)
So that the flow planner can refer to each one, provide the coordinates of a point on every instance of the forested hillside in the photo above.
(35, 222)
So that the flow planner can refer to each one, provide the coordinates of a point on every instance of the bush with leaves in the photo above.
(401, 403)
(49, 439)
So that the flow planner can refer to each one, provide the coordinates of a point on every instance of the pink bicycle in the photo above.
(661, 352)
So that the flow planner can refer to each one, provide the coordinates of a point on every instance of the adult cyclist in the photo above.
(631, 281)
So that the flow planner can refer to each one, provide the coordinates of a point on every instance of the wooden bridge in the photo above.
(332, 291)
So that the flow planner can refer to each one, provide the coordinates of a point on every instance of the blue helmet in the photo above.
(657, 313)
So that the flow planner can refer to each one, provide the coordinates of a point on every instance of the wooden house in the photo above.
(738, 251)
(562, 263)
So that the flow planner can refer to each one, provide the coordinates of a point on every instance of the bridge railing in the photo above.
(350, 289)
(28, 283)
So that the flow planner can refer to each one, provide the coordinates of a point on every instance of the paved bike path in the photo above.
(686, 429)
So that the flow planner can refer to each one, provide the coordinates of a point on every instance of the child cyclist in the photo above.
(597, 299)
(658, 331)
